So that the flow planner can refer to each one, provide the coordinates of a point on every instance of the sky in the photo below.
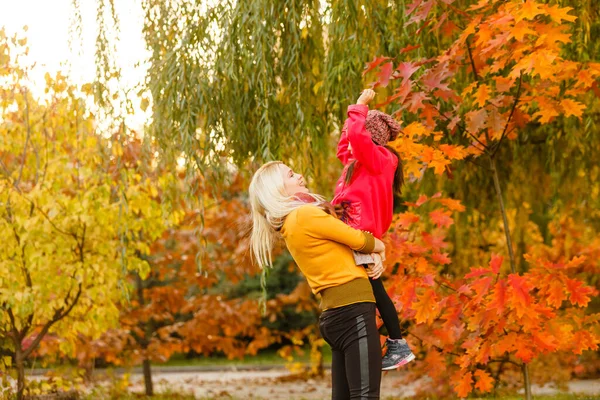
(49, 23)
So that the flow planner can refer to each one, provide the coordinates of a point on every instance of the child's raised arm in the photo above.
(374, 157)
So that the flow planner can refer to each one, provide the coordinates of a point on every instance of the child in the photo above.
(365, 193)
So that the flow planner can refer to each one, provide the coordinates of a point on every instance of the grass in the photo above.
(267, 357)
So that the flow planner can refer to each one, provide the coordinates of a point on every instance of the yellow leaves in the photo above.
(572, 107)
(521, 29)
(559, 14)
(529, 10)
(482, 95)
(317, 86)
(426, 307)
(453, 152)
(547, 110)
(415, 129)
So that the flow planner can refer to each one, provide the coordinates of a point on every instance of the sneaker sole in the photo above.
(401, 363)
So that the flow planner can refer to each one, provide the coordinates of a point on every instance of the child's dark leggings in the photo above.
(351, 331)
(386, 308)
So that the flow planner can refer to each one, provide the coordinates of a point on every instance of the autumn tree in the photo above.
(503, 71)
(68, 226)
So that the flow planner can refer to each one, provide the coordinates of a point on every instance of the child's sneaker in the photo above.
(397, 354)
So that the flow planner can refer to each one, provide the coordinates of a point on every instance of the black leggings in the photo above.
(386, 308)
(351, 331)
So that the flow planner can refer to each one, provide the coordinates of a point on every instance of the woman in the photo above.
(322, 247)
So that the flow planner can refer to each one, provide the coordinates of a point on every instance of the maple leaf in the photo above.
(475, 272)
(556, 294)
(529, 10)
(524, 353)
(384, 74)
(421, 200)
(409, 48)
(433, 80)
(374, 64)
(476, 120)
(416, 129)
(520, 293)
(426, 307)
(441, 258)
(413, 6)
(504, 84)
(578, 294)
(464, 383)
(482, 95)
(453, 152)
(441, 218)
(559, 14)
(452, 204)
(485, 383)
(416, 101)
(407, 218)
(496, 263)
(435, 363)
(407, 69)
(572, 107)
(521, 29)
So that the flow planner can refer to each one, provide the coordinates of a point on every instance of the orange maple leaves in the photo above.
(511, 53)
(488, 315)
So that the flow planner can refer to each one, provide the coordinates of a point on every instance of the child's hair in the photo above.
(398, 175)
(269, 205)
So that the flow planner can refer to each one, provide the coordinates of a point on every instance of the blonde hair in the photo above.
(270, 204)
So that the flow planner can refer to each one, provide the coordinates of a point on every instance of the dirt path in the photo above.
(272, 385)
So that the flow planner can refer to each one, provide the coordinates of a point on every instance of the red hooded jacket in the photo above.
(368, 199)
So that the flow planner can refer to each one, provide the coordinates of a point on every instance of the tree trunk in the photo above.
(148, 378)
(144, 340)
(20, 364)
(511, 255)
(525, 370)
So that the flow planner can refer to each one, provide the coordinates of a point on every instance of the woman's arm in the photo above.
(318, 223)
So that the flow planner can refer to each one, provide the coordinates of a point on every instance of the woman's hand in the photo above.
(379, 247)
(366, 96)
(375, 270)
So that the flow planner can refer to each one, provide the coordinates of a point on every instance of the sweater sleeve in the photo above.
(369, 154)
(343, 154)
(319, 224)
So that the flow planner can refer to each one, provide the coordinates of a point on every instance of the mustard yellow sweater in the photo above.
(322, 247)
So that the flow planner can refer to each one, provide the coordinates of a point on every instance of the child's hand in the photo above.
(366, 96)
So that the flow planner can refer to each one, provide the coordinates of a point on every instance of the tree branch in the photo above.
(472, 60)
(23, 156)
(512, 111)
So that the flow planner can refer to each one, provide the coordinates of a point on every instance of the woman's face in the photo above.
(293, 183)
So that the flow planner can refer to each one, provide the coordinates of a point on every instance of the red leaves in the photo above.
(384, 74)
(521, 299)
(374, 64)
(406, 70)
(442, 219)
(496, 263)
